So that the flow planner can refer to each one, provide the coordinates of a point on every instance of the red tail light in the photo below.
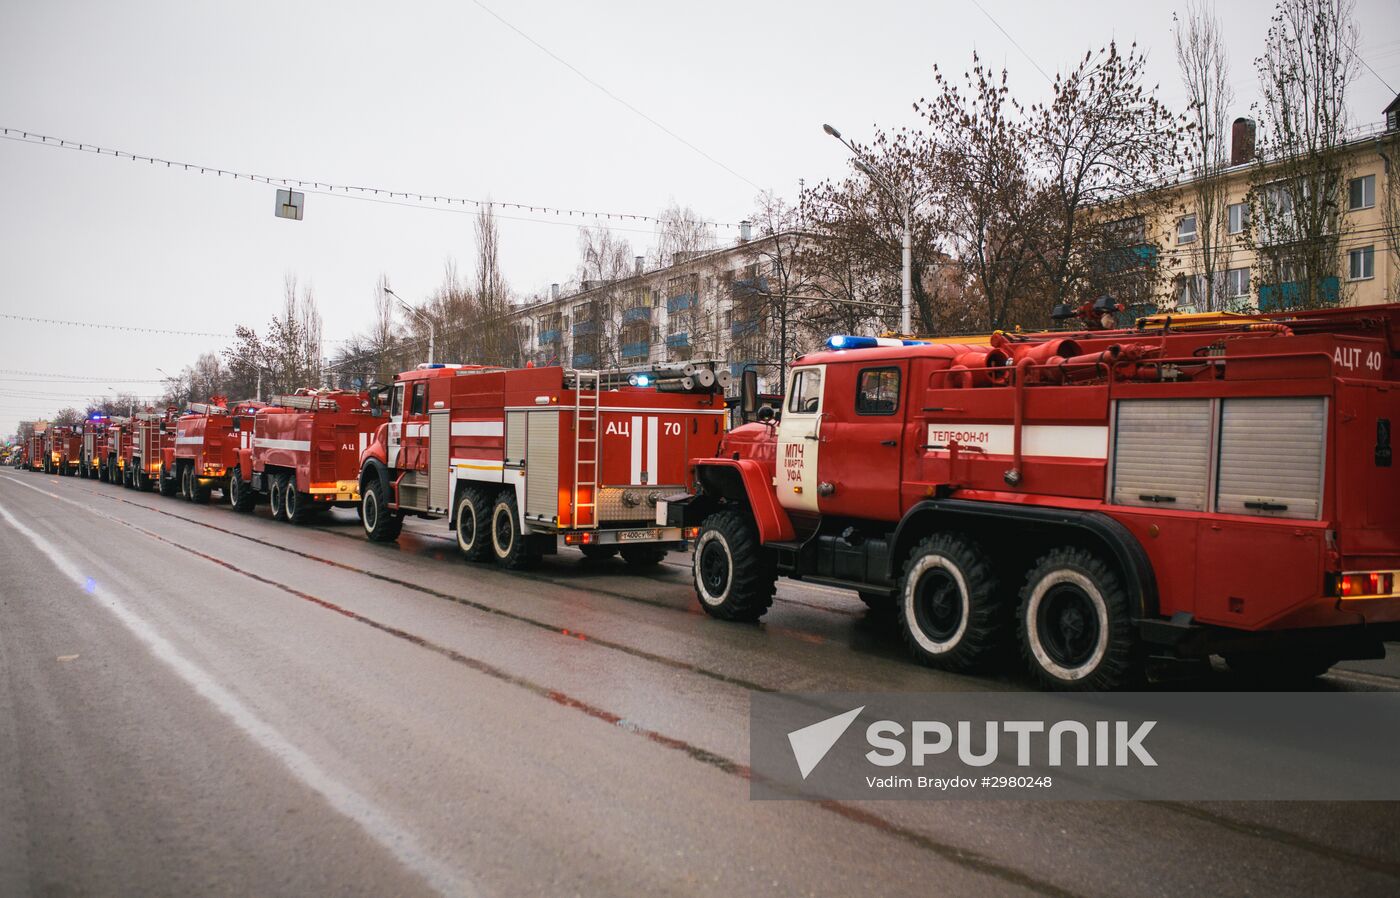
(1366, 584)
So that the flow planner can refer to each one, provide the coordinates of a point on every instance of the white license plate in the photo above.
(633, 536)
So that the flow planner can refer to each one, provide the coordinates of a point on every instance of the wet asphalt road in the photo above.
(194, 701)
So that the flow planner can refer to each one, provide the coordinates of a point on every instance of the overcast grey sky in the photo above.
(443, 98)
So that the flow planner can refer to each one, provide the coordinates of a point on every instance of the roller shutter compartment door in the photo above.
(1161, 453)
(1271, 455)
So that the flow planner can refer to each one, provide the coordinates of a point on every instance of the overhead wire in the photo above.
(352, 191)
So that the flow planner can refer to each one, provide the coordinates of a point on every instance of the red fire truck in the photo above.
(521, 461)
(1192, 486)
(38, 447)
(65, 445)
(146, 438)
(119, 429)
(303, 454)
(204, 454)
(94, 447)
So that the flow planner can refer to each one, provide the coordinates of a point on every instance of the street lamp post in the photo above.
(906, 203)
(432, 329)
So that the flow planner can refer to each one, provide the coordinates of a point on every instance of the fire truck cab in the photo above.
(1188, 487)
(522, 461)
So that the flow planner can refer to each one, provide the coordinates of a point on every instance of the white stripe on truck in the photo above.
(294, 445)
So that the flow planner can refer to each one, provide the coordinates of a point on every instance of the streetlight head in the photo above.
(832, 131)
(860, 164)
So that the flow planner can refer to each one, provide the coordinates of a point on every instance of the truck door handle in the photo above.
(889, 442)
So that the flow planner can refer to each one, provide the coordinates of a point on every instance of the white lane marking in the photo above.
(374, 820)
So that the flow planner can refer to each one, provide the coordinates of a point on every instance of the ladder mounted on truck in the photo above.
(205, 408)
(587, 390)
(307, 402)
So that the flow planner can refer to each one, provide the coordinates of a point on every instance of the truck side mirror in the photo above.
(766, 414)
(748, 395)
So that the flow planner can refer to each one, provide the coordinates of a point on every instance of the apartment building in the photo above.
(712, 304)
(1249, 276)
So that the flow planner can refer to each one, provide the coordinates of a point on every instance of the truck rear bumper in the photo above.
(624, 537)
(1183, 638)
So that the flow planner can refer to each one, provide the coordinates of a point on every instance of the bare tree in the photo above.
(604, 259)
(497, 339)
(768, 311)
(1102, 142)
(859, 231)
(1204, 65)
(1298, 189)
(987, 204)
(683, 232)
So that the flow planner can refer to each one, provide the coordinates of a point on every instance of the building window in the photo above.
(877, 392)
(1186, 229)
(1361, 263)
(1238, 214)
(1237, 282)
(1192, 295)
(1363, 192)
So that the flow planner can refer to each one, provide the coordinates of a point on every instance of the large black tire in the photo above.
(240, 494)
(951, 610)
(472, 526)
(276, 489)
(103, 475)
(297, 506)
(1280, 670)
(643, 557)
(735, 579)
(199, 493)
(141, 479)
(381, 525)
(598, 553)
(1075, 624)
(510, 547)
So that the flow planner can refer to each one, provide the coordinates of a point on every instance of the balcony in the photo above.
(638, 350)
(1128, 258)
(680, 302)
(743, 328)
(584, 328)
(549, 336)
(641, 313)
(675, 341)
(583, 359)
(1290, 294)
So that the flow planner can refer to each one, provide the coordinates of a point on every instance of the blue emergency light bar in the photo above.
(847, 341)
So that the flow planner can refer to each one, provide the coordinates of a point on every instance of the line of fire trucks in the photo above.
(1104, 501)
